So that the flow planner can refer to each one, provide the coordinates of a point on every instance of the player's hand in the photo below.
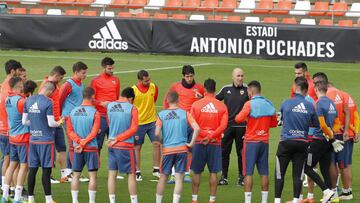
(278, 118)
(190, 145)
(82, 142)
(104, 103)
(205, 141)
(356, 138)
(337, 145)
(61, 120)
(78, 149)
(111, 143)
(346, 135)
(198, 95)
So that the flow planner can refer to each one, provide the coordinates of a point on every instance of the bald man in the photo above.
(234, 96)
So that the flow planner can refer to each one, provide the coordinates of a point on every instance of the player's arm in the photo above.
(70, 131)
(133, 126)
(356, 122)
(336, 125)
(25, 120)
(158, 128)
(94, 131)
(196, 129)
(20, 105)
(326, 129)
(220, 95)
(347, 119)
(118, 88)
(244, 113)
(222, 126)
(156, 95)
(50, 116)
(65, 90)
(273, 121)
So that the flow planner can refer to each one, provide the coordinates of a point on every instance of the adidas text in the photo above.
(108, 44)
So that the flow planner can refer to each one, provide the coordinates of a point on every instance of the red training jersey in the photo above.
(337, 96)
(4, 92)
(353, 109)
(55, 98)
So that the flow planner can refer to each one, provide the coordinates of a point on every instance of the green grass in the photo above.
(276, 77)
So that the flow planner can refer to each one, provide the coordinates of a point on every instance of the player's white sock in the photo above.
(92, 196)
(133, 198)
(48, 199)
(173, 171)
(6, 190)
(68, 171)
(187, 173)
(31, 198)
(158, 198)
(277, 200)
(18, 191)
(74, 195)
(301, 196)
(2, 181)
(335, 193)
(176, 198)
(310, 195)
(295, 200)
(63, 172)
(112, 198)
(212, 198)
(247, 197)
(264, 196)
(194, 197)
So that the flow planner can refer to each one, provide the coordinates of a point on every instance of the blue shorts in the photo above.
(122, 160)
(104, 129)
(210, 155)
(255, 153)
(4, 145)
(91, 159)
(148, 129)
(60, 145)
(339, 157)
(42, 155)
(19, 153)
(177, 160)
(348, 148)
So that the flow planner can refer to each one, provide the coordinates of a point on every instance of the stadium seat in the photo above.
(354, 10)
(307, 21)
(155, 4)
(54, 12)
(137, 3)
(19, 11)
(72, 12)
(345, 23)
(251, 19)
(191, 5)
(48, 2)
(264, 7)
(245, 6)
(84, 2)
(209, 5)
(215, 18)
(119, 3)
(89, 13)
(301, 8)
(338, 9)
(172, 5)
(320, 9)
(289, 21)
(161, 16)
(124, 15)
(227, 6)
(197, 17)
(66, 2)
(233, 18)
(30, 2)
(327, 22)
(270, 20)
(12, 1)
(143, 15)
(283, 8)
(179, 17)
(101, 3)
(107, 14)
(36, 11)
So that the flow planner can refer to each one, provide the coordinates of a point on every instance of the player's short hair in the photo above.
(173, 97)
(88, 93)
(49, 86)
(12, 65)
(301, 65)
(78, 66)
(321, 76)
(141, 74)
(321, 86)
(22, 69)
(107, 61)
(128, 93)
(210, 85)
(302, 83)
(255, 84)
(29, 87)
(187, 69)
(58, 70)
(14, 81)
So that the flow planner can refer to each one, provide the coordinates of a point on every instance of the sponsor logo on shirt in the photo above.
(332, 109)
(117, 108)
(36, 133)
(171, 116)
(209, 108)
(297, 132)
(300, 108)
(34, 108)
(260, 132)
(81, 112)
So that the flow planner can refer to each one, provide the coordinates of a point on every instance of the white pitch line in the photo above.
(149, 69)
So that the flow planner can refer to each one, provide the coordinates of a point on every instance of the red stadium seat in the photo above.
(215, 18)
(179, 17)
(173, 5)
(137, 3)
(161, 16)
(84, 2)
(143, 15)
(227, 6)
(48, 2)
(12, 1)
(209, 5)
(270, 20)
(89, 13)
(264, 7)
(72, 12)
(233, 18)
(191, 5)
(19, 11)
(66, 2)
(119, 3)
(339, 9)
(289, 21)
(327, 22)
(345, 23)
(284, 8)
(36, 11)
(124, 15)
(320, 9)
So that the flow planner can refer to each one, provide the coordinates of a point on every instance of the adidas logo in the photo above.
(338, 99)
(209, 108)
(34, 108)
(228, 92)
(300, 108)
(81, 112)
(332, 109)
(108, 38)
(117, 108)
(351, 102)
(172, 115)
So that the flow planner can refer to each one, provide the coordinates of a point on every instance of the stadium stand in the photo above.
(306, 21)
(209, 5)
(246, 6)
(173, 5)
(234, 18)
(197, 17)
(354, 10)
(264, 7)
(19, 11)
(326, 22)
(227, 6)
(319, 9)
(124, 15)
(345, 23)
(107, 14)
(215, 18)
(191, 5)
(36, 11)
(119, 3)
(155, 4)
(339, 9)
(289, 21)
(89, 13)
(161, 16)
(54, 11)
(283, 8)
(143, 15)
(301, 8)
(251, 19)
(72, 12)
(134, 4)
(270, 20)
(179, 17)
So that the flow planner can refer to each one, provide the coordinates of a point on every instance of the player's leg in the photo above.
(139, 141)
(77, 166)
(298, 161)
(180, 168)
(113, 169)
(198, 163)
(5, 150)
(263, 169)
(92, 186)
(92, 161)
(249, 159)
(47, 154)
(346, 175)
(282, 161)
(239, 134)
(69, 160)
(104, 129)
(129, 159)
(187, 177)
(150, 131)
(161, 187)
(324, 164)
(34, 164)
(132, 188)
(8, 179)
(226, 146)
(23, 169)
(166, 169)
(214, 165)
(61, 149)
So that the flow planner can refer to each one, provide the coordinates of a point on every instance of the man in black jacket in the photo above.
(234, 96)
